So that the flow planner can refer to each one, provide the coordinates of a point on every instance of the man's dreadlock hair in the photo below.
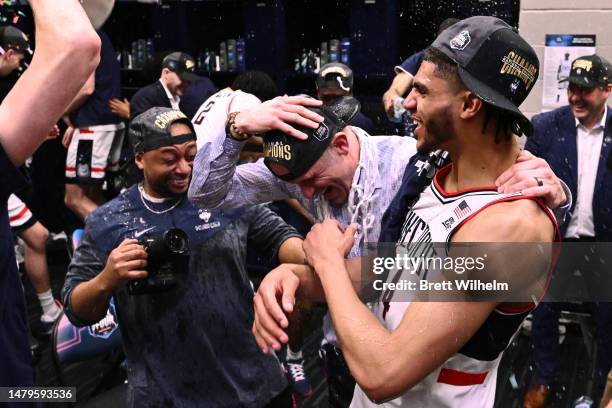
(447, 69)
(504, 122)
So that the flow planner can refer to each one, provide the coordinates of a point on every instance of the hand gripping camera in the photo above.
(168, 254)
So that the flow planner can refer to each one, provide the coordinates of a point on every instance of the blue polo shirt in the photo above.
(95, 110)
(15, 358)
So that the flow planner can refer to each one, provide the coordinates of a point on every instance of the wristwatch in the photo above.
(232, 131)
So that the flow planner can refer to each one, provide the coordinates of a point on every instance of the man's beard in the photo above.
(438, 130)
(161, 187)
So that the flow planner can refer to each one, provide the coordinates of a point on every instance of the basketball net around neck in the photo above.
(358, 208)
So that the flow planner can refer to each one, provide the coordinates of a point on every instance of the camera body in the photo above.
(168, 254)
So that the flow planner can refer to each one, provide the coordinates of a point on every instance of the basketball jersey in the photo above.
(565, 68)
(210, 120)
(19, 213)
(468, 378)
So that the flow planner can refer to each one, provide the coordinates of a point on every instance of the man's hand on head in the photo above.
(533, 177)
(126, 262)
(280, 113)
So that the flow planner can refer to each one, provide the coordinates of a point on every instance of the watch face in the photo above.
(231, 130)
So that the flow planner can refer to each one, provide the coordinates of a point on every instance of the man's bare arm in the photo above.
(85, 92)
(277, 296)
(64, 36)
(401, 83)
(89, 300)
(218, 182)
(387, 363)
(291, 251)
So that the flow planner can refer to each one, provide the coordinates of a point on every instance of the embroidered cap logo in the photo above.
(519, 67)
(163, 119)
(321, 133)
(461, 40)
(584, 64)
(278, 150)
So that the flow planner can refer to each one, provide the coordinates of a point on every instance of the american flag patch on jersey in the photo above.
(462, 209)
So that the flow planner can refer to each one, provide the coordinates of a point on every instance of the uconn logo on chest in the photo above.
(415, 242)
(205, 216)
(415, 230)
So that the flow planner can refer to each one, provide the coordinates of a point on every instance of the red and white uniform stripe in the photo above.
(468, 378)
(18, 212)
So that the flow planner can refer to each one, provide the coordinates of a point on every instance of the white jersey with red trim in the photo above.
(210, 120)
(468, 378)
(19, 214)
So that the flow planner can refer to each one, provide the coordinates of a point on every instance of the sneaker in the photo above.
(47, 321)
(294, 370)
(60, 236)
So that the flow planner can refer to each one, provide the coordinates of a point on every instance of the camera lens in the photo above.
(176, 241)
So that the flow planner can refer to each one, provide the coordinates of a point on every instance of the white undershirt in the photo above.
(150, 198)
(588, 144)
(174, 100)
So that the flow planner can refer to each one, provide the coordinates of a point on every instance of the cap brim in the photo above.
(189, 76)
(580, 81)
(494, 98)
(345, 108)
(332, 84)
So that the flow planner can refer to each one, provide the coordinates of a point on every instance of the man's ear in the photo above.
(139, 160)
(340, 143)
(471, 105)
(8, 54)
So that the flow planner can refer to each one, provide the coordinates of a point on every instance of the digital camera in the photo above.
(168, 254)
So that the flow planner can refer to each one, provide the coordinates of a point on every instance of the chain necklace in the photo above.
(144, 202)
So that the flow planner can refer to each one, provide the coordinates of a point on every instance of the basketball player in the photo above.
(422, 354)
(63, 35)
(35, 235)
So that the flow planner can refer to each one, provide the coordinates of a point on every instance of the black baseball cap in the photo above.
(151, 129)
(12, 38)
(590, 71)
(299, 155)
(335, 75)
(494, 62)
(181, 63)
